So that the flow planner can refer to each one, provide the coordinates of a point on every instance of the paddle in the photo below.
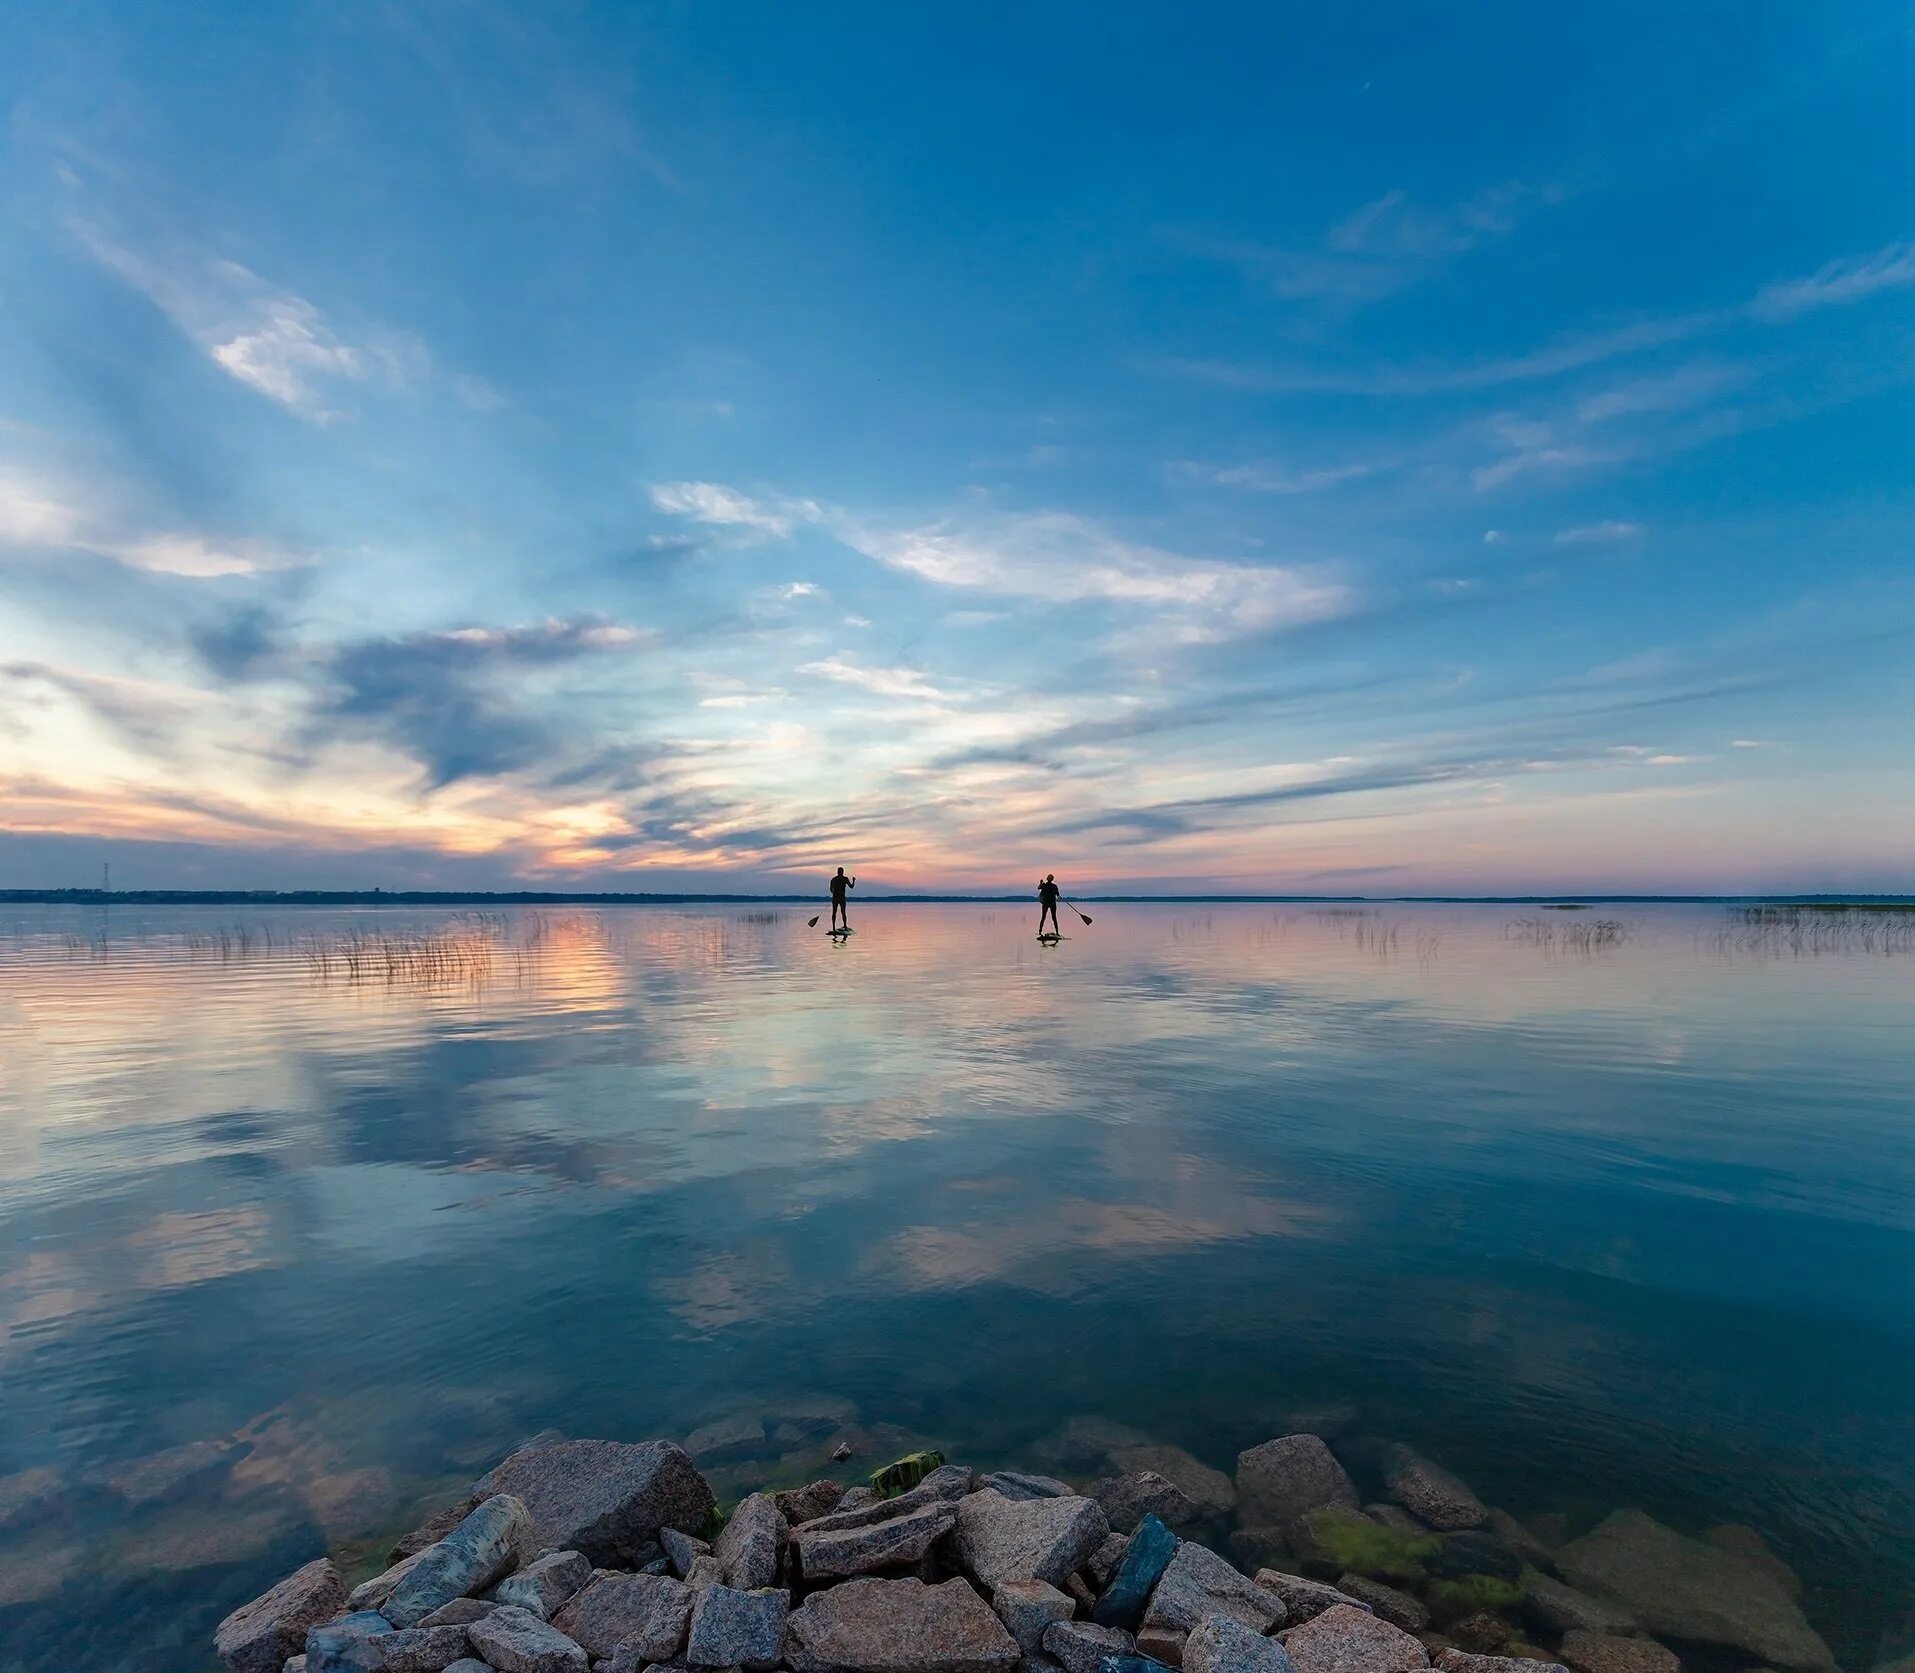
(812, 923)
(1079, 911)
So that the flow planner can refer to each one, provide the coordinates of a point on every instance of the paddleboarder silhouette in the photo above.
(1047, 893)
(839, 885)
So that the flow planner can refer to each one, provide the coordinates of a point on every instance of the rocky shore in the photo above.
(596, 1556)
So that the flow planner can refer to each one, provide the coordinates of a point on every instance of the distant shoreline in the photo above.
(528, 897)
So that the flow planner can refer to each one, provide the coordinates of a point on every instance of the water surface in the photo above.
(1595, 1218)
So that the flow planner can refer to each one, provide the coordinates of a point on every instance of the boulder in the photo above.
(1395, 1516)
(1016, 1484)
(705, 1571)
(29, 1493)
(1028, 1608)
(159, 1475)
(1086, 1442)
(1386, 1602)
(1557, 1608)
(751, 1546)
(349, 1644)
(423, 1649)
(1453, 1660)
(1127, 1499)
(1431, 1491)
(517, 1641)
(1473, 1552)
(1209, 1490)
(1687, 1588)
(297, 1664)
(1303, 1599)
(999, 1539)
(1198, 1583)
(649, 1610)
(1602, 1652)
(942, 1486)
(1218, 1644)
(682, 1549)
(1158, 1646)
(474, 1665)
(1127, 1593)
(1483, 1634)
(1102, 1563)
(1078, 1646)
(735, 1627)
(841, 1553)
(1255, 1548)
(460, 1612)
(543, 1586)
(258, 1637)
(898, 1626)
(1744, 1541)
(372, 1594)
(604, 1498)
(481, 1549)
(1517, 1539)
(801, 1504)
(433, 1529)
(863, 1496)
(726, 1438)
(1281, 1479)
(1346, 1640)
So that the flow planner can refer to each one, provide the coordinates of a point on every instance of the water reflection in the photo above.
(309, 1214)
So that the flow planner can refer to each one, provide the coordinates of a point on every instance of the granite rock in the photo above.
(898, 1626)
(1429, 1490)
(1346, 1640)
(1602, 1652)
(1303, 1599)
(1218, 1644)
(1020, 1484)
(726, 1438)
(372, 1594)
(682, 1549)
(1102, 1563)
(999, 1539)
(649, 1610)
(546, 1584)
(1281, 1479)
(841, 1553)
(1160, 1645)
(802, 1504)
(1558, 1608)
(1386, 1602)
(1127, 1499)
(460, 1612)
(1198, 1583)
(605, 1498)
(517, 1641)
(481, 1549)
(423, 1649)
(1028, 1608)
(945, 1485)
(1453, 1660)
(1079, 1646)
(737, 1627)
(751, 1546)
(349, 1644)
(1209, 1490)
(258, 1637)
(433, 1529)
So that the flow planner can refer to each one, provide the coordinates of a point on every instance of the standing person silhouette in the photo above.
(839, 885)
(1047, 893)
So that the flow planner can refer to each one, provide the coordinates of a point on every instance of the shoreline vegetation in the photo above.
(595, 1556)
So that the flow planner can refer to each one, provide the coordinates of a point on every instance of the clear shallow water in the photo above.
(1597, 1226)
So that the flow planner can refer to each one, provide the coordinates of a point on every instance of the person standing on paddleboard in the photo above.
(1047, 893)
(839, 885)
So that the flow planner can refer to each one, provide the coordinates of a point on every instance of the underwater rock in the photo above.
(1281, 1479)
(1303, 1599)
(1386, 1602)
(1127, 1499)
(1429, 1490)
(726, 1438)
(1601, 1652)
(1209, 1490)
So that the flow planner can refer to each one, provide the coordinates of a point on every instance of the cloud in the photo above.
(1848, 280)
(1598, 534)
(35, 516)
(1494, 537)
(1268, 477)
(712, 502)
(1687, 386)
(886, 682)
(146, 715)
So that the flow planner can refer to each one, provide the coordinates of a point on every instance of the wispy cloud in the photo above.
(1848, 280)
(1598, 534)
(722, 507)
(37, 516)
(1267, 476)
(886, 682)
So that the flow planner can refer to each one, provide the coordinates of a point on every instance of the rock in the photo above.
(1346, 1640)
(1221, 1645)
(1015, 1484)
(1102, 1563)
(1209, 1490)
(898, 1626)
(372, 1594)
(26, 1493)
(604, 1498)
(1303, 1599)
(1087, 1442)
(517, 1641)
(1281, 1479)
(1740, 1540)
(460, 1612)
(1557, 1608)
(1482, 1633)
(158, 1475)
(544, 1585)
(681, 1549)
(1146, 1555)
(650, 1611)
(1255, 1548)
(297, 1664)
(861, 1497)
(433, 1529)
(942, 1486)
(1517, 1540)
(1398, 1608)
(801, 1504)
(1199, 1583)
(347, 1645)
(751, 1546)
(705, 1571)
(259, 1636)
(999, 1539)
(1453, 1660)
(1028, 1608)
(1156, 1646)
(423, 1649)
(726, 1438)
(736, 1627)
(1431, 1491)
(472, 1666)
(481, 1549)
(1395, 1516)
(1079, 1591)
(841, 1452)
(1455, 1555)
(841, 1553)
(1078, 1647)
(1601, 1652)
(1688, 1589)
(1127, 1499)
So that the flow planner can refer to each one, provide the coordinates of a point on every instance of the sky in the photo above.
(1399, 449)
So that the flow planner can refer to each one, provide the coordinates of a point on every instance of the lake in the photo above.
(1598, 1208)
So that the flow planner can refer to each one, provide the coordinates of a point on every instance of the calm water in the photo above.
(1593, 1224)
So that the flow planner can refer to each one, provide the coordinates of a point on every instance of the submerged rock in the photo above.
(650, 1610)
(258, 1637)
(801, 1504)
(1398, 1608)
(544, 1585)
(517, 1641)
(1453, 1660)
(605, 1498)
(481, 1549)
(840, 1553)
(1221, 1645)
(751, 1546)
(1303, 1599)
(999, 1539)
(726, 1438)
(1346, 1640)
(732, 1627)
(1209, 1490)
(898, 1626)
(1435, 1495)
(1127, 1499)
(1281, 1479)
(1198, 1583)
(1689, 1589)
(1126, 1595)
(1559, 1608)
(144, 1481)
(1602, 1652)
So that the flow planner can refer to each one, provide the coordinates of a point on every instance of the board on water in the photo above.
(840, 933)
(1050, 936)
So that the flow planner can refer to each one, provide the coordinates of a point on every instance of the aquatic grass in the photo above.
(1471, 1594)
(1590, 936)
(1821, 929)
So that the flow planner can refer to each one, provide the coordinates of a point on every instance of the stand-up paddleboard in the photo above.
(839, 933)
(1050, 937)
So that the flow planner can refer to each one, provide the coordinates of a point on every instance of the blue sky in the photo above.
(647, 446)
